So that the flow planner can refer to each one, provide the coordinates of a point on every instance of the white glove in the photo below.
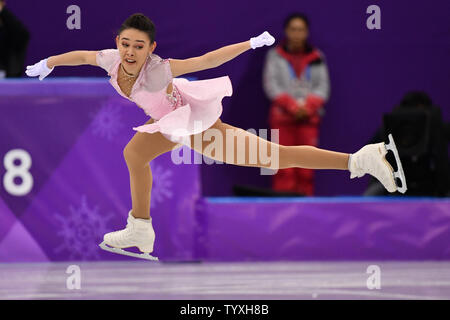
(39, 69)
(263, 39)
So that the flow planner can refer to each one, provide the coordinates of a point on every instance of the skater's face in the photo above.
(296, 32)
(134, 45)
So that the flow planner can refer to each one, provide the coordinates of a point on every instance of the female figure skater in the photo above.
(174, 103)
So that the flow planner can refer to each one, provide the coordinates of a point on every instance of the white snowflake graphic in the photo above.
(107, 122)
(162, 184)
(81, 231)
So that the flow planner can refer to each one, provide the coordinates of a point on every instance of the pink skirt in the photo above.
(202, 107)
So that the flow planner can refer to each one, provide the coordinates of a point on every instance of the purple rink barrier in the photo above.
(334, 228)
(65, 181)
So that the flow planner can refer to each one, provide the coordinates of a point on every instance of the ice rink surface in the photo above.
(286, 280)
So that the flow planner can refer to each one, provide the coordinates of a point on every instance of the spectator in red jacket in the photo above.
(295, 78)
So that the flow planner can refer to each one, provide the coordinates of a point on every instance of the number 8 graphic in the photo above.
(21, 171)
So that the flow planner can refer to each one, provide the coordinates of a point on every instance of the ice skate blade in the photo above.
(399, 173)
(145, 256)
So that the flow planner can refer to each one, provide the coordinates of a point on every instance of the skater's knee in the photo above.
(133, 157)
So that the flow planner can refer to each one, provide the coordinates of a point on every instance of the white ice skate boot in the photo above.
(372, 159)
(138, 233)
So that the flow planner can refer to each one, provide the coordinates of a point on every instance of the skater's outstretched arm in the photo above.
(218, 57)
(72, 58)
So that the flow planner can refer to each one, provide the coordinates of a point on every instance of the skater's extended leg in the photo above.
(225, 143)
(141, 149)
(256, 148)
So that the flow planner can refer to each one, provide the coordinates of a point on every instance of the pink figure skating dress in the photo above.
(191, 107)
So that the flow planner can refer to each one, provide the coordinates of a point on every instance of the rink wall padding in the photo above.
(65, 179)
(324, 228)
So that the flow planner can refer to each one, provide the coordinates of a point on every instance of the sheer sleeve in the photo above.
(106, 58)
(168, 70)
(158, 74)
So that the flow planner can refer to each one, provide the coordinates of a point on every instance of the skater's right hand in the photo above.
(39, 69)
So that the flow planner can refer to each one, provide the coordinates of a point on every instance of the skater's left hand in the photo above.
(264, 38)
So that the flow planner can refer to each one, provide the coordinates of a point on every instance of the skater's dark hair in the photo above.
(295, 15)
(140, 22)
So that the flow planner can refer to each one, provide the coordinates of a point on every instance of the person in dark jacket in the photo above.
(14, 38)
(429, 173)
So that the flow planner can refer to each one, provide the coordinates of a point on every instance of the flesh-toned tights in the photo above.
(144, 147)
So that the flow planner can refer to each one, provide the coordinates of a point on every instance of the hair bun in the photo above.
(140, 22)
